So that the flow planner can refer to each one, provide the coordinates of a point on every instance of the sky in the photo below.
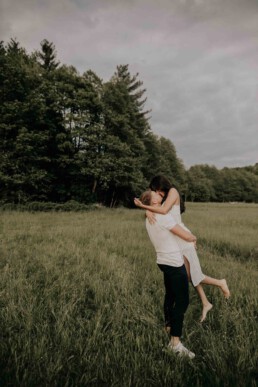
(198, 60)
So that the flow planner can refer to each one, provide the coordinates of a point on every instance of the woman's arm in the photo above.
(167, 205)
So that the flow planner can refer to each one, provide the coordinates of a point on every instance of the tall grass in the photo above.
(81, 305)
(226, 228)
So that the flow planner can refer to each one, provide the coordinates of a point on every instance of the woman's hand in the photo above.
(138, 203)
(151, 216)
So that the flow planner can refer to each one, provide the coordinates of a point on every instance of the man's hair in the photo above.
(146, 197)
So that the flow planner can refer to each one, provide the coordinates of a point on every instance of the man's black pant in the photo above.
(176, 297)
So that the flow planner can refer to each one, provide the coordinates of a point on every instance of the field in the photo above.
(81, 300)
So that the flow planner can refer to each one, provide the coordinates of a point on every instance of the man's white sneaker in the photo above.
(181, 350)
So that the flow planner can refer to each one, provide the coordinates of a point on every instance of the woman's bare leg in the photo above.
(187, 266)
(222, 284)
(206, 305)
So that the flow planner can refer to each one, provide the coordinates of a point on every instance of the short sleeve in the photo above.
(167, 221)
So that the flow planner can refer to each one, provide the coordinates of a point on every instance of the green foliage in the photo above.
(170, 165)
(47, 55)
(207, 183)
(66, 136)
(35, 147)
(71, 205)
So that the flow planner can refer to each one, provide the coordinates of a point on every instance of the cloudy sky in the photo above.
(198, 60)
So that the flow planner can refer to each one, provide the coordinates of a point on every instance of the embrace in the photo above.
(175, 247)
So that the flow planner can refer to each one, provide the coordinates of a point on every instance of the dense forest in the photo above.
(66, 136)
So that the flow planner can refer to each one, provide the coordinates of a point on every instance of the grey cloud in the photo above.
(197, 60)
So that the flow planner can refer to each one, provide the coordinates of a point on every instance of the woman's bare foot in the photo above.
(224, 288)
(167, 329)
(206, 308)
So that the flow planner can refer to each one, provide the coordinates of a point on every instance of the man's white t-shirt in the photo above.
(164, 242)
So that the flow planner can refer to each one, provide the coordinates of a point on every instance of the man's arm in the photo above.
(182, 233)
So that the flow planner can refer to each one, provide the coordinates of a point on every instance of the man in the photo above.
(170, 261)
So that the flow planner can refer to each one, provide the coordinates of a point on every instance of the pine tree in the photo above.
(35, 147)
(47, 56)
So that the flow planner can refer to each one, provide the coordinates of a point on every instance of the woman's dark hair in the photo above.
(161, 183)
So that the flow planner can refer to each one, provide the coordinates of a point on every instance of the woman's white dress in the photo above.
(188, 249)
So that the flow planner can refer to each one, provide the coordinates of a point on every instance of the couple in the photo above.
(176, 257)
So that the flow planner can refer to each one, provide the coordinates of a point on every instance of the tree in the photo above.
(47, 56)
(20, 150)
(169, 164)
(69, 136)
(125, 119)
(35, 147)
(200, 188)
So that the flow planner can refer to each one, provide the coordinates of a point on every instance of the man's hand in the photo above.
(182, 233)
(151, 217)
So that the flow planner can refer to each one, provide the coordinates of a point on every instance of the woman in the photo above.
(173, 203)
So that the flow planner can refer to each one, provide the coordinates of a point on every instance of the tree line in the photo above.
(70, 136)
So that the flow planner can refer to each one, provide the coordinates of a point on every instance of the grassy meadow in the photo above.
(81, 300)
